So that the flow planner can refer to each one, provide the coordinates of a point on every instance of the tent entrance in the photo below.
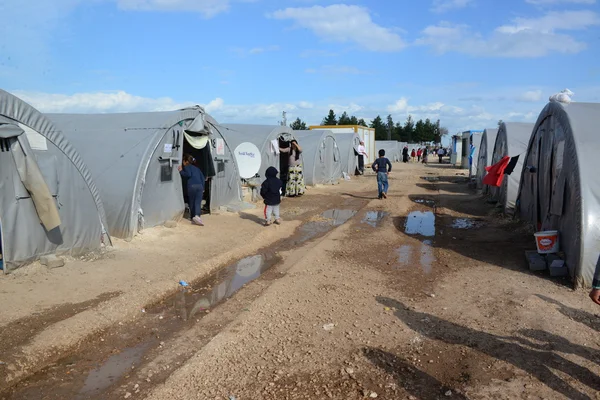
(204, 161)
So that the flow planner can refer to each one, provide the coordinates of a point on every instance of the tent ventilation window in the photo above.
(166, 173)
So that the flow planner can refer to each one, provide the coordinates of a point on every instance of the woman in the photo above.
(419, 154)
(405, 154)
(295, 183)
(425, 155)
(195, 187)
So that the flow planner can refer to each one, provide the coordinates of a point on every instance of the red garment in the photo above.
(495, 173)
(419, 152)
(412, 153)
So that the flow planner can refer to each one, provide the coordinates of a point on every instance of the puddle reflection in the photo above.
(420, 223)
(465, 223)
(375, 218)
(425, 256)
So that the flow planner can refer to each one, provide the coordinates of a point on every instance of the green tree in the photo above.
(398, 132)
(353, 120)
(428, 131)
(362, 122)
(409, 129)
(419, 132)
(380, 128)
(330, 119)
(345, 119)
(390, 127)
(298, 125)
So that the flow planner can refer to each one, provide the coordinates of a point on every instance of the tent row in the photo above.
(69, 183)
(553, 185)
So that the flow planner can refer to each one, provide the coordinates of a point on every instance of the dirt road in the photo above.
(424, 295)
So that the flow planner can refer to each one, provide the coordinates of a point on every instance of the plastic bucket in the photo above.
(547, 242)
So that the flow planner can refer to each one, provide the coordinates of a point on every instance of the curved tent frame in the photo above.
(560, 185)
(262, 136)
(511, 140)
(485, 156)
(321, 156)
(391, 147)
(58, 169)
(348, 144)
(133, 158)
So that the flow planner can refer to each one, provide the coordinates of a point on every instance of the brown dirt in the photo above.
(456, 315)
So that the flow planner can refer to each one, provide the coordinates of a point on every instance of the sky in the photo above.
(468, 63)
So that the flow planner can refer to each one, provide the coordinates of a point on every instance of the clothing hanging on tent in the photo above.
(197, 142)
(511, 165)
(495, 173)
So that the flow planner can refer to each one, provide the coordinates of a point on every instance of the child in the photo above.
(195, 187)
(270, 191)
(383, 167)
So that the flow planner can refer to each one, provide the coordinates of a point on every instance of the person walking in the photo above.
(419, 154)
(382, 166)
(440, 153)
(195, 187)
(413, 155)
(405, 154)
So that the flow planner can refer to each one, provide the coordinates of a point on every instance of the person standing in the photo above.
(362, 155)
(270, 190)
(440, 153)
(419, 154)
(425, 155)
(405, 154)
(413, 155)
(295, 185)
(383, 167)
(195, 187)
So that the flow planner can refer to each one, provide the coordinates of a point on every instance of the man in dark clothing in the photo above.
(195, 187)
(383, 167)
(270, 191)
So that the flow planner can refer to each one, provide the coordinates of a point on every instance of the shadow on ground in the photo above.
(540, 361)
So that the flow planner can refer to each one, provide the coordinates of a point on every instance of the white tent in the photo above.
(48, 201)
(348, 143)
(265, 137)
(484, 156)
(391, 147)
(560, 183)
(134, 157)
(321, 157)
(511, 141)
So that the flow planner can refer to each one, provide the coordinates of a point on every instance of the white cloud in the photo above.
(440, 6)
(532, 96)
(343, 23)
(525, 37)
(554, 2)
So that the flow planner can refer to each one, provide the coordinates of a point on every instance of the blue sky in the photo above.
(467, 62)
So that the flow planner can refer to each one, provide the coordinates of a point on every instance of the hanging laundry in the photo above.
(495, 173)
(511, 165)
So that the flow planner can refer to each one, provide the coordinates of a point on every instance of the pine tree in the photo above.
(298, 125)
(361, 122)
(380, 128)
(345, 119)
(331, 119)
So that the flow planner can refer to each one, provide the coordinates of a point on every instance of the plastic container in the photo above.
(547, 242)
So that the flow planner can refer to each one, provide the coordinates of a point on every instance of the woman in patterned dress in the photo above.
(295, 184)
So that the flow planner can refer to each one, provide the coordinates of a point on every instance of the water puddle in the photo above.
(424, 254)
(427, 202)
(466, 223)
(420, 223)
(375, 218)
(112, 370)
(323, 224)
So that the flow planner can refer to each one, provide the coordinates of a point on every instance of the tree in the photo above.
(409, 128)
(398, 133)
(298, 125)
(362, 122)
(419, 132)
(344, 119)
(331, 119)
(390, 127)
(353, 120)
(380, 128)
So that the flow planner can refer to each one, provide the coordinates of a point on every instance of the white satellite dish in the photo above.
(248, 159)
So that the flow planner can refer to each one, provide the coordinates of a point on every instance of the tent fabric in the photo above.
(81, 217)
(391, 147)
(474, 153)
(321, 157)
(560, 185)
(511, 140)
(133, 158)
(484, 156)
(261, 136)
(348, 145)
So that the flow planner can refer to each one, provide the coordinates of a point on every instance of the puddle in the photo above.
(375, 218)
(112, 370)
(426, 257)
(465, 223)
(420, 223)
(323, 224)
(427, 202)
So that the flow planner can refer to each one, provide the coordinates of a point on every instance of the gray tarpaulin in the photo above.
(348, 144)
(261, 136)
(133, 158)
(476, 142)
(562, 191)
(484, 156)
(391, 147)
(511, 141)
(321, 157)
(42, 148)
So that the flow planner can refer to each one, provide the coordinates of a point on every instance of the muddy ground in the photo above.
(424, 295)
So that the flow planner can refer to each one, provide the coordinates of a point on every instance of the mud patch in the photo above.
(466, 223)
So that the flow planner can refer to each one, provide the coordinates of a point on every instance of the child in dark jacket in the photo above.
(195, 187)
(270, 191)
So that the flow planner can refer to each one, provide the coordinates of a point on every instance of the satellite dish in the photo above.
(248, 159)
